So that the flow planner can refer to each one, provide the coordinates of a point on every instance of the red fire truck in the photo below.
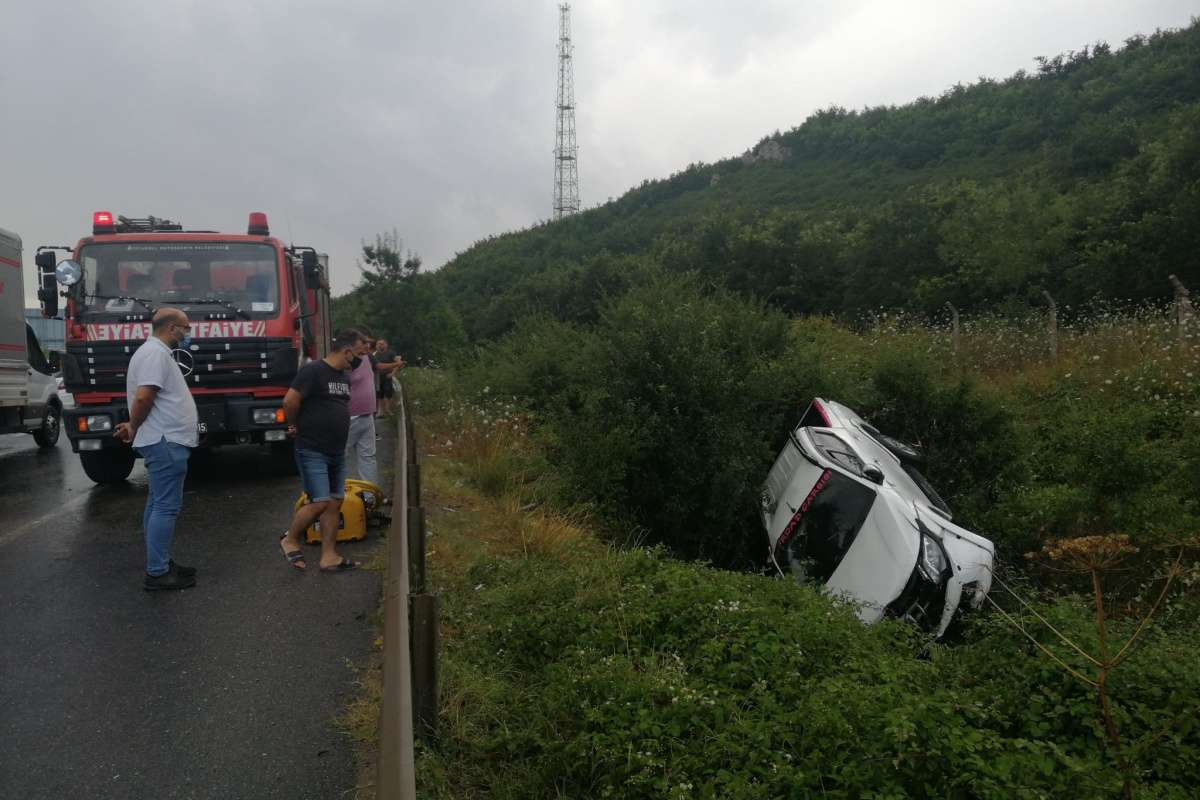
(258, 309)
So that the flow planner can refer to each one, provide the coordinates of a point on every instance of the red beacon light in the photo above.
(102, 222)
(258, 224)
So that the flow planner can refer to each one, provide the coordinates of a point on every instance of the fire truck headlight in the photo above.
(267, 416)
(96, 423)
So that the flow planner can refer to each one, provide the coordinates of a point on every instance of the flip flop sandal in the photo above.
(345, 565)
(293, 556)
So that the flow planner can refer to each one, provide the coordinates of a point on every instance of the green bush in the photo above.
(626, 674)
(666, 414)
(1098, 462)
(534, 365)
(969, 438)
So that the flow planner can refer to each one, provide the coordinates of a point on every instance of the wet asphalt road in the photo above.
(226, 690)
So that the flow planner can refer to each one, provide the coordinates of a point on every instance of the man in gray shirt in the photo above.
(162, 426)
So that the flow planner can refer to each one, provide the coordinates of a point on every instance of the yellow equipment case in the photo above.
(361, 499)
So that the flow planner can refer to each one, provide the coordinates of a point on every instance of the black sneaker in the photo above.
(168, 580)
(184, 572)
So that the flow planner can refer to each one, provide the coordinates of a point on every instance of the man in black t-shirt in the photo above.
(317, 408)
(387, 362)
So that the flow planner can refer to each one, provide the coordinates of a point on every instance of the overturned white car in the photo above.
(846, 506)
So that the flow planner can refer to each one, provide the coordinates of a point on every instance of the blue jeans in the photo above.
(323, 475)
(166, 464)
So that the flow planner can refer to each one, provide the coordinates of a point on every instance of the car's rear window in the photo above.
(820, 533)
(813, 417)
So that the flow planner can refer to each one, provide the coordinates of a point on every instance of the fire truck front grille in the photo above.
(209, 363)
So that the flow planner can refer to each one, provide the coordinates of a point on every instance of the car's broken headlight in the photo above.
(924, 595)
(931, 560)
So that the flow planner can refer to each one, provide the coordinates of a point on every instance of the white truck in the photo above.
(29, 401)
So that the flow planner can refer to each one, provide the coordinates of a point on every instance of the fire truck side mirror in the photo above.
(48, 297)
(312, 269)
(47, 284)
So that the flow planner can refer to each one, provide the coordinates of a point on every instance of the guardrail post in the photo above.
(416, 549)
(409, 435)
(414, 485)
(425, 664)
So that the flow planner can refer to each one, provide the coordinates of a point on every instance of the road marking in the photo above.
(33, 524)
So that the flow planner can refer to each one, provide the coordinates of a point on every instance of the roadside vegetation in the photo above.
(577, 665)
(611, 389)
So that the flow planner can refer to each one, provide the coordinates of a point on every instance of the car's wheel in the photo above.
(903, 450)
(47, 434)
(108, 466)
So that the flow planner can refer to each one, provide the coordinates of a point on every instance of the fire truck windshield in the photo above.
(123, 278)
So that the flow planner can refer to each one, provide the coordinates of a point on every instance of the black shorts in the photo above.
(386, 389)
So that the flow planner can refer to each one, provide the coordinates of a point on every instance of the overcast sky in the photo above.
(344, 118)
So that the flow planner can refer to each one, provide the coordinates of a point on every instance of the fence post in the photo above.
(1183, 308)
(1052, 325)
(955, 330)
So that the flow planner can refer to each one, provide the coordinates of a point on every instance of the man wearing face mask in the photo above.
(317, 407)
(162, 426)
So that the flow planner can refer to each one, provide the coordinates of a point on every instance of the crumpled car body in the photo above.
(846, 506)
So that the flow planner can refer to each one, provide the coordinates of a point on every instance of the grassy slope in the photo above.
(573, 669)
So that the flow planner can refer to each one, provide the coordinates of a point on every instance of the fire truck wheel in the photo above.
(283, 454)
(108, 466)
(47, 434)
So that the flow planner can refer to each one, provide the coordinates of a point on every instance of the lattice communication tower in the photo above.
(566, 163)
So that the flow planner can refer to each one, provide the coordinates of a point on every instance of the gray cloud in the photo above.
(344, 119)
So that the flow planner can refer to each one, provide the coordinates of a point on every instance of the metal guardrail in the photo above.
(410, 628)
(397, 770)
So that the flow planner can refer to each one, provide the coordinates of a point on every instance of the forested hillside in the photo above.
(1081, 177)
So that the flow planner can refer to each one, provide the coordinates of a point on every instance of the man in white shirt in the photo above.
(163, 427)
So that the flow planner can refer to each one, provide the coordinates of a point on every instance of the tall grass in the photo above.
(1142, 349)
